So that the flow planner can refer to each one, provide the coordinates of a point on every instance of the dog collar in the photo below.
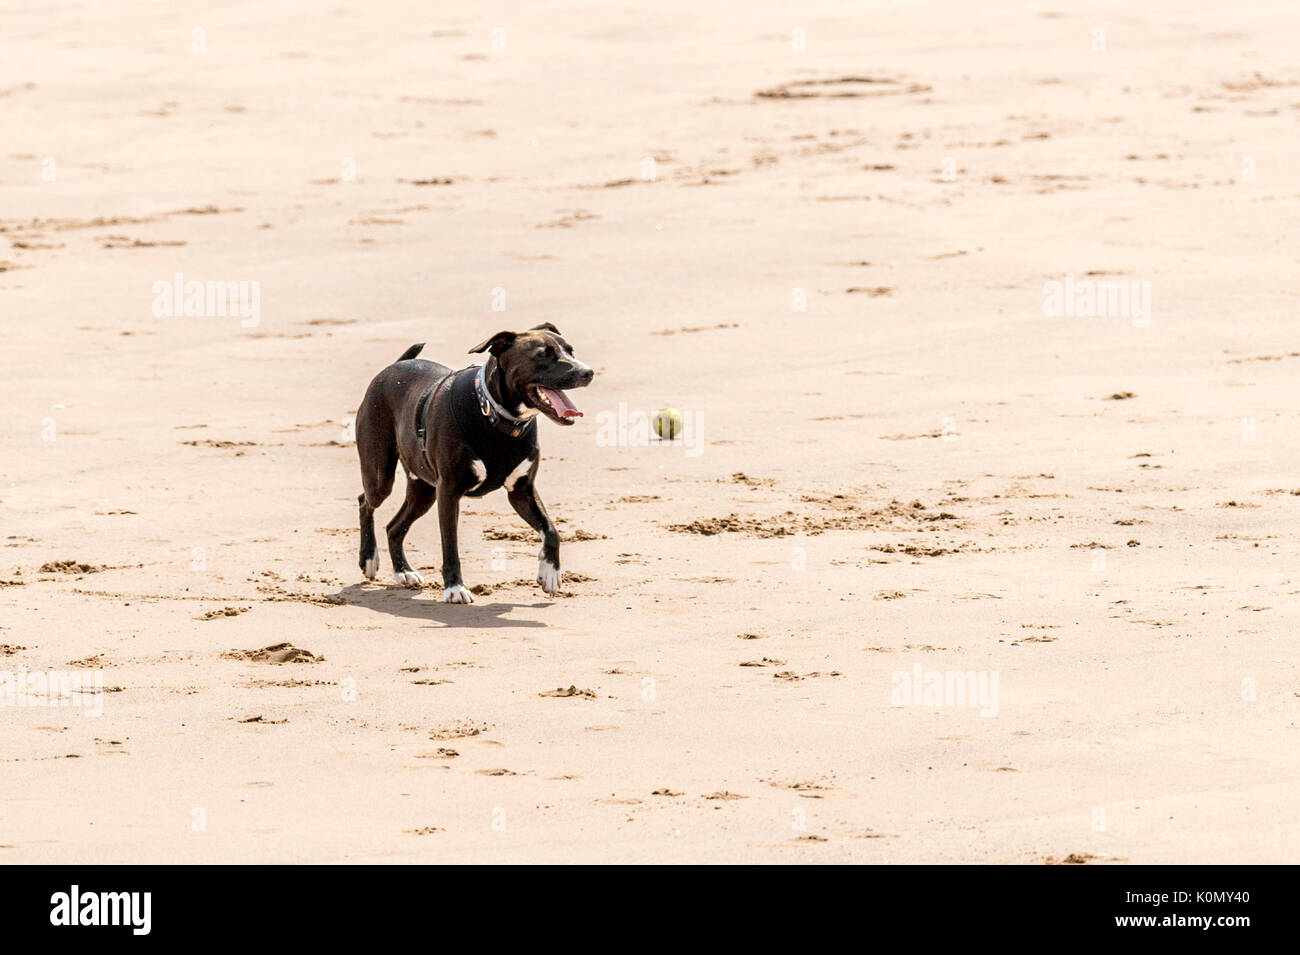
(501, 419)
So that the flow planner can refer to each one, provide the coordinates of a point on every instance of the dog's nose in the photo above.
(586, 375)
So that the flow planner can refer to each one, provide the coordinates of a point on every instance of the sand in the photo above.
(830, 249)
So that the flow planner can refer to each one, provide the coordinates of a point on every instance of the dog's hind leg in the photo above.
(369, 558)
(419, 498)
(377, 449)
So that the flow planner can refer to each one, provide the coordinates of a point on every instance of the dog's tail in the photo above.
(411, 352)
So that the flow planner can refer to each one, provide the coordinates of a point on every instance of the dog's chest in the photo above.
(495, 468)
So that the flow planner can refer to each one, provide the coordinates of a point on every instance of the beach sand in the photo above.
(826, 237)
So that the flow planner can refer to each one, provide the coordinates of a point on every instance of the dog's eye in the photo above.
(550, 353)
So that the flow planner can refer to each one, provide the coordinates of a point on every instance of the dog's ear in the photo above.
(497, 343)
(546, 327)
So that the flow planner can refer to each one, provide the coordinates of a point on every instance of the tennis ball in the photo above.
(667, 423)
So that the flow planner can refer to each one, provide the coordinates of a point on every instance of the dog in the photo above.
(464, 433)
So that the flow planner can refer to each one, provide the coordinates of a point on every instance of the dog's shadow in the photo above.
(414, 604)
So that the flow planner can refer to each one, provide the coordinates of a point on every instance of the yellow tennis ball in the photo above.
(667, 423)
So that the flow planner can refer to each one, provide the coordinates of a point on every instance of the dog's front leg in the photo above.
(453, 589)
(524, 499)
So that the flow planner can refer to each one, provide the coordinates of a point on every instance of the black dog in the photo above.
(464, 432)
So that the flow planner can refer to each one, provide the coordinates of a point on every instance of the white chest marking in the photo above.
(520, 472)
(480, 472)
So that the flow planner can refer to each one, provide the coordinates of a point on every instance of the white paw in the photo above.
(409, 578)
(457, 595)
(548, 575)
(371, 570)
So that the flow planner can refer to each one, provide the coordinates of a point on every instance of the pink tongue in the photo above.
(561, 403)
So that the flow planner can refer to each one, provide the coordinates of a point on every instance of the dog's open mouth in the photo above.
(553, 403)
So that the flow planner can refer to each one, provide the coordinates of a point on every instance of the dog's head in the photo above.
(536, 368)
